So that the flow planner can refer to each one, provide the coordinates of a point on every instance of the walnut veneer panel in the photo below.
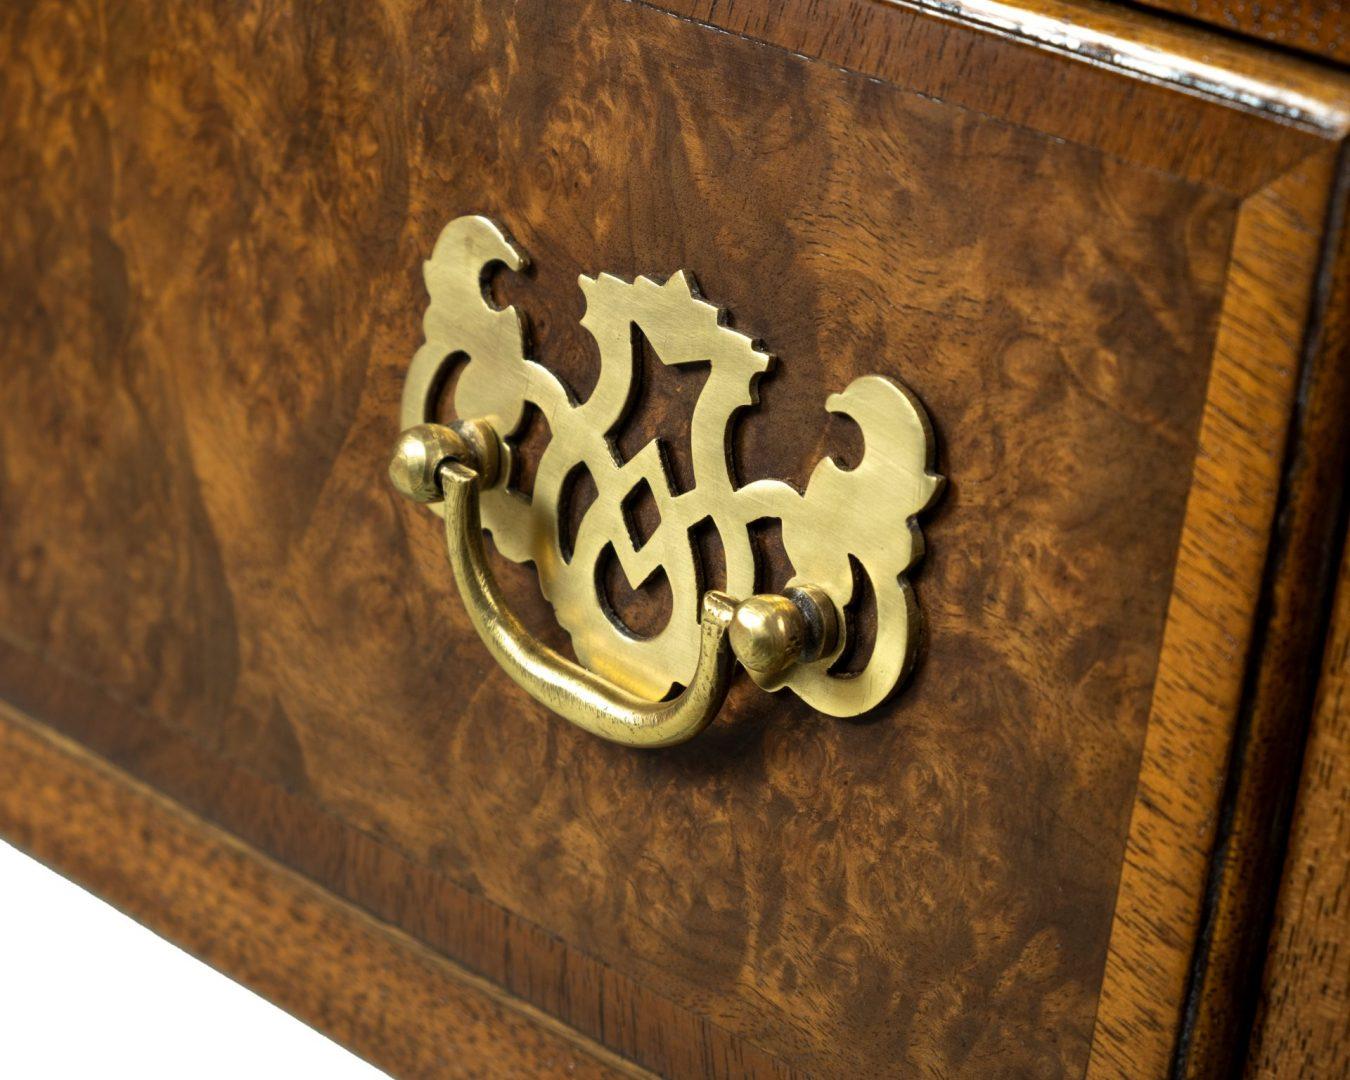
(210, 292)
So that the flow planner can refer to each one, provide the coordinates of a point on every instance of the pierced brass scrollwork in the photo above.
(845, 520)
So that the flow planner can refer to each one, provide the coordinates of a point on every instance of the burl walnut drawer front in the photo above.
(1096, 267)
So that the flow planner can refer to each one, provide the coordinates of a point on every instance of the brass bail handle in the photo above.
(766, 633)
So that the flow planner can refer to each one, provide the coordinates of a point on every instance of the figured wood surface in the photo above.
(390, 999)
(213, 277)
(929, 890)
(1303, 1029)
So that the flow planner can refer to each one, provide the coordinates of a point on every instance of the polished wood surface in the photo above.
(211, 284)
(279, 934)
(1303, 1030)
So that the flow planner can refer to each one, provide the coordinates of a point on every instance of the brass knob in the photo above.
(771, 632)
(414, 469)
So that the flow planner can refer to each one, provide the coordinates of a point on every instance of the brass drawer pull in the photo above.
(849, 529)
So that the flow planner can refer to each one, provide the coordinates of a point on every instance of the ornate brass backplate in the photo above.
(866, 513)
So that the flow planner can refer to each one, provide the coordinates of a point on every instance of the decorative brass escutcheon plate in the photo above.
(846, 521)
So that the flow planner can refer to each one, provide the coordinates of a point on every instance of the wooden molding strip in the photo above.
(1292, 625)
(1303, 1028)
(1210, 622)
(361, 981)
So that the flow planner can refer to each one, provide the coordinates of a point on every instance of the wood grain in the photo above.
(1291, 624)
(390, 999)
(1314, 26)
(1211, 621)
(932, 889)
(1303, 1029)
(375, 876)
(998, 68)
(211, 285)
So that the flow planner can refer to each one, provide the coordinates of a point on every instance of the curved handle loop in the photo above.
(767, 633)
(569, 690)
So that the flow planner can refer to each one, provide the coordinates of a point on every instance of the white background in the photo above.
(87, 993)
